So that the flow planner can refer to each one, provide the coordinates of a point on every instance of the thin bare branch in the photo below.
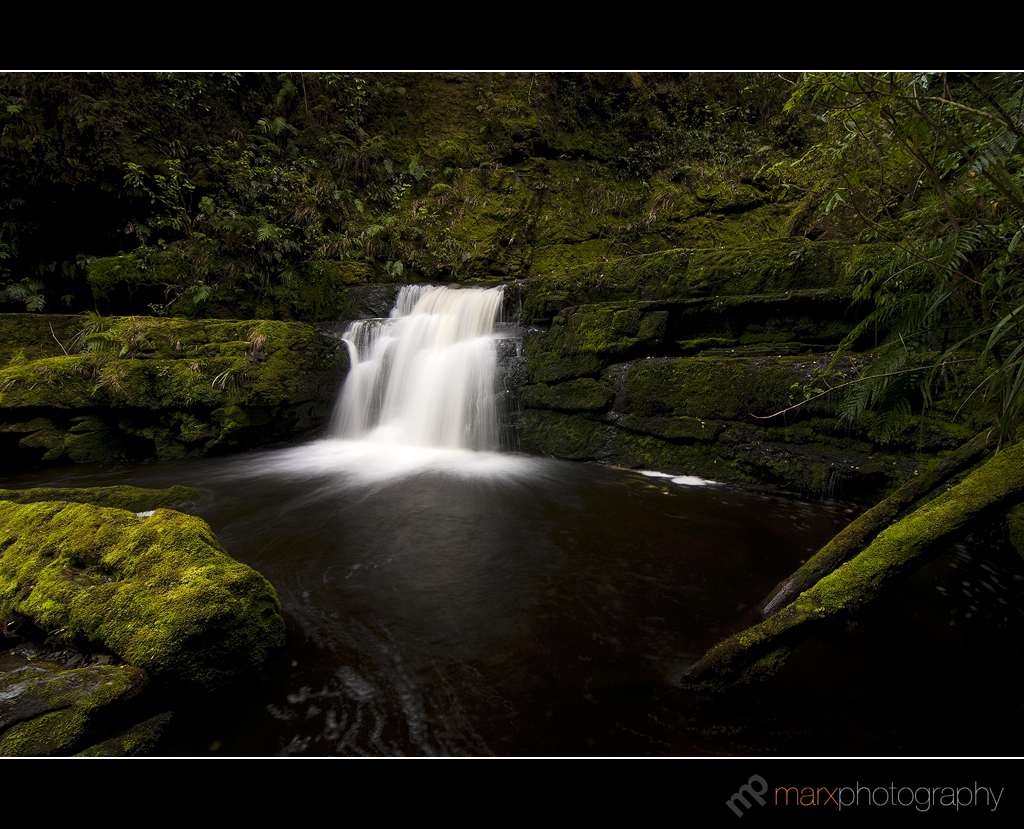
(62, 348)
(851, 383)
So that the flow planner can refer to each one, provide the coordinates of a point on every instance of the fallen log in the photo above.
(759, 651)
(861, 530)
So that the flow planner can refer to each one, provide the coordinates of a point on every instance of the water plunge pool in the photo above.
(479, 604)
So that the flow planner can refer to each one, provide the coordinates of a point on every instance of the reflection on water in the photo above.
(445, 602)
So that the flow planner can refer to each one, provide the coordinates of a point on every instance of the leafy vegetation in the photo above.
(933, 163)
(267, 194)
(28, 291)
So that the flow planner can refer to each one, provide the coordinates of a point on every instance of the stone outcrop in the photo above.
(88, 389)
(132, 591)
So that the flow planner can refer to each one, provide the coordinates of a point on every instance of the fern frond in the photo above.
(1000, 148)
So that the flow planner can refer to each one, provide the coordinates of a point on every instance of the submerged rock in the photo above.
(158, 592)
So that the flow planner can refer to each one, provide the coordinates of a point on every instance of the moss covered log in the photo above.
(158, 592)
(866, 526)
(760, 651)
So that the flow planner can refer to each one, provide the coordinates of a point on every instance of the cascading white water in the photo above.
(425, 376)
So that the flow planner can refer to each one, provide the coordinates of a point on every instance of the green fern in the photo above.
(28, 291)
(939, 171)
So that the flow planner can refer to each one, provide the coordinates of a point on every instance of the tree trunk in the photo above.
(761, 650)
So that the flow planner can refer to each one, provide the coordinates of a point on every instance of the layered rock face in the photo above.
(714, 363)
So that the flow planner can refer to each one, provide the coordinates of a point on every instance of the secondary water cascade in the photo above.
(425, 376)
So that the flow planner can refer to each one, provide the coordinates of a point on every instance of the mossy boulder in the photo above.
(157, 363)
(157, 591)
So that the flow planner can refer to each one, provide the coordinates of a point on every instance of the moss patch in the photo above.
(584, 394)
(132, 498)
(777, 266)
(562, 435)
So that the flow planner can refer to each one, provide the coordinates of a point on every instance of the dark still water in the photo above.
(455, 603)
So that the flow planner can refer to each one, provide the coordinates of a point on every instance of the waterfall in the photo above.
(425, 376)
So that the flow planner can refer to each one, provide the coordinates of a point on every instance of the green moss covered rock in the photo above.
(158, 592)
(135, 741)
(100, 388)
(563, 435)
(46, 709)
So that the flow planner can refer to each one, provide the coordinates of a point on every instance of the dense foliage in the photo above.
(933, 163)
(259, 194)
